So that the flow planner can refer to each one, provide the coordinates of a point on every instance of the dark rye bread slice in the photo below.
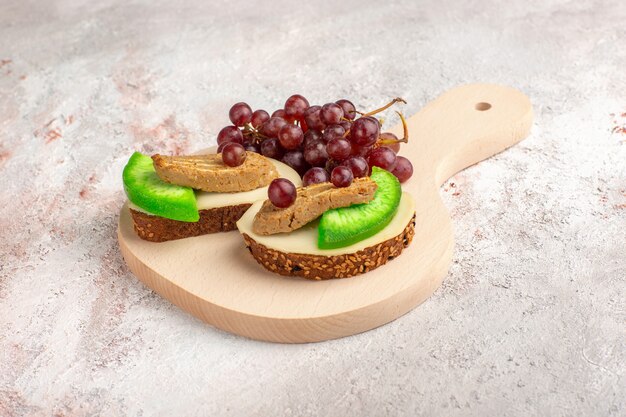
(328, 267)
(160, 229)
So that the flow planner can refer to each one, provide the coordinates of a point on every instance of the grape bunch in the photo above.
(333, 142)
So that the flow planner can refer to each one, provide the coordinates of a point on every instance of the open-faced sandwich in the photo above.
(329, 231)
(332, 208)
(175, 197)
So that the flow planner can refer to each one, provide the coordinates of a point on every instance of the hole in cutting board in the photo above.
(482, 106)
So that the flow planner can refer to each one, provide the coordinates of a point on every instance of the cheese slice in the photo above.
(205, 200)
(304, 240)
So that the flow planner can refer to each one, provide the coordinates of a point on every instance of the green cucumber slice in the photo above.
(146, 190)
(348, 225)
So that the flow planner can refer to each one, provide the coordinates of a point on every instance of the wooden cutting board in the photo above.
(214, 277)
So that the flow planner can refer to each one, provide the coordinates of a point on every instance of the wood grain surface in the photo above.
(214, 277)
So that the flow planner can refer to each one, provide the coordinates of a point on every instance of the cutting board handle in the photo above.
(463, 126)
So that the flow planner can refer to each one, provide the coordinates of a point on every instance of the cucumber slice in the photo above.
(347, 225)
(145, 189)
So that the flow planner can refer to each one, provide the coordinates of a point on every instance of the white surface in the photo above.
(530, 320)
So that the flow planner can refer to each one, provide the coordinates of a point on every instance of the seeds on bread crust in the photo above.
(328, 267)
(209, 173)
(311, 202)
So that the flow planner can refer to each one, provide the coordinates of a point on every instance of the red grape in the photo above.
(331, 113)
(360, 150)
(259, 117)
(295, 106)
(338, 149)
(271, 148)
(315, 175)
(282, 193)
(315, 153)
(252, 147)
(382, 157)
(302, 124)
(341, 176)
(240, 114)
(365, 131)
(346, 125)
(349, 111)
(220, 147)
(331, 164)
(295, 159)
(373, 119)
(233, 154)
(279, 113)
(273, 126)
(290, 136)
(229, 134)
(333, 131)
(358, 165)
(312, 136)
(403, 169)
(395, 146)
(312, 118)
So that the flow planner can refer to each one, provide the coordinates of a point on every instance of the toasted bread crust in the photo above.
(328, 267)
(160, 229)
(311, 202)
(209, 173)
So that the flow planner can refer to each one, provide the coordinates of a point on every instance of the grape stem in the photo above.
(405, 139)
(405, 128)
(385, 107)
(257, 136)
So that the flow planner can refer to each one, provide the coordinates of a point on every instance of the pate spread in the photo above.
(209, 173)
(311, 202)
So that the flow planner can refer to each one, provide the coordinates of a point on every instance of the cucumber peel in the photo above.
(147, 191)
(346, 226)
